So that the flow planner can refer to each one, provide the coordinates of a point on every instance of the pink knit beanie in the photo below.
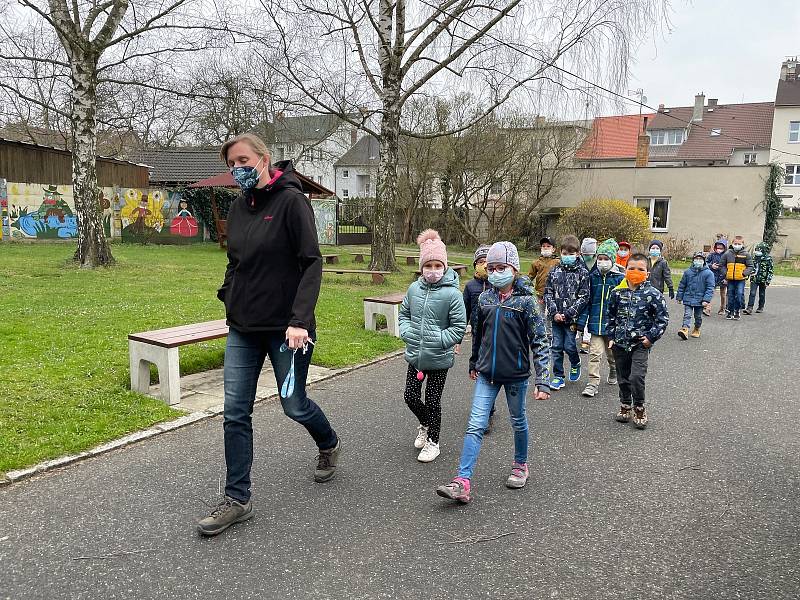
(431, 247)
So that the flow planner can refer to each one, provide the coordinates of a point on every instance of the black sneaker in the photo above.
(736, 316)
(748, 311)
(729, 316)
(225, 514)
(759, 310)
(326, 463)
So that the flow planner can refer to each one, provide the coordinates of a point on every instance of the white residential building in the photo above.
(786, 131)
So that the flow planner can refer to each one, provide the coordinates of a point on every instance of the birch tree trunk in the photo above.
(93, 248)
(386, 197)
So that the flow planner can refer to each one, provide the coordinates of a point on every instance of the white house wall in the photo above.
(784, 152)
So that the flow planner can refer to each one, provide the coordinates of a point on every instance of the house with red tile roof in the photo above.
(611, 141)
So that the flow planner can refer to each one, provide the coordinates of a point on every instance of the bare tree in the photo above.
(102, 43)
(382, 53)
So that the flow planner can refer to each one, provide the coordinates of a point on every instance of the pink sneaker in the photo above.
(458, 489)
(518, 477)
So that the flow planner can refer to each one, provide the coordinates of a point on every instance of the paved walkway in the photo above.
(704, 504)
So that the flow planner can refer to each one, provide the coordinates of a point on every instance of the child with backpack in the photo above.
(432, 321)
(603, 278)
(508, 328)
(565, 296)
(761, 278)
(695, 291)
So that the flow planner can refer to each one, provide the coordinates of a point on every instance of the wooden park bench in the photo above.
(160, 348)
(331, 259)
(389, 307)
(377, 276)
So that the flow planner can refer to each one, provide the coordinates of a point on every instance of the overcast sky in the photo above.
(730, 50)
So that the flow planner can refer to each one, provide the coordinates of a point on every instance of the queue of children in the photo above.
(606, 291)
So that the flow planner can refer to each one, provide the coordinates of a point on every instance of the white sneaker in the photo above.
(422, 437)
(429, 452)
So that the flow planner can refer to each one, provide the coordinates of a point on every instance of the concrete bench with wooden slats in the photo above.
(377, 276)
(160, 347)
(389, 307)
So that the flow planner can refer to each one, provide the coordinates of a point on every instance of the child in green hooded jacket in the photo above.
(761, 278)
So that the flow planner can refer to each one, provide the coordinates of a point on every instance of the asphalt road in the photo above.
(704, 504)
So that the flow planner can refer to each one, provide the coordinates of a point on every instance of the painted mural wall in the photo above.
(325, 217)
(40, 212)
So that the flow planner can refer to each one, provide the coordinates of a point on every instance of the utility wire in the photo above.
(598, 86)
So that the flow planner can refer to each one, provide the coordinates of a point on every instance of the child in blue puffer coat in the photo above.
(432, 321)
(695, 290)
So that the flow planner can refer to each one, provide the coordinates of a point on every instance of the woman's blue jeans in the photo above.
(482, 402)
(244, 358)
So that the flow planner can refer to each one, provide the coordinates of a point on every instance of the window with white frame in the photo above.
(666, 137)
(657, 211)
(794, 132)
(366, 189)
(345, 193)
(345, 174)
(792, 175)
(750, 158)
(497, 187)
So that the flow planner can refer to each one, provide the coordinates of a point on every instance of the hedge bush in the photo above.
(603, 218)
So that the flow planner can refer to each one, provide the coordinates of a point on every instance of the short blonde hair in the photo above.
(256, 143)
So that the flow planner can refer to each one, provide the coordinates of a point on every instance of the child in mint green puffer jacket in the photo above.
(432, 321)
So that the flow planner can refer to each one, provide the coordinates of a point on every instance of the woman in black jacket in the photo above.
(270, 290)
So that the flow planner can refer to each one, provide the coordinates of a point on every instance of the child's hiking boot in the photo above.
(584, 348)
(326, 463)
(575, 373)
(556, 383)
(422, 437)
(225, 514)
(612, 377)
(518, 477)
(625, 413)
(458, 489)
(721, 311)
(695, 332)
(639, 417)
(590, 391)
(429, 452)
(683, 333)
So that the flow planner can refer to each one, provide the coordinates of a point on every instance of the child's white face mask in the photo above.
(603, 265)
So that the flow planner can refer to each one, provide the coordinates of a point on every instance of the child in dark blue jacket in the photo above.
(566, 293)
(637, 318)
(695, 290)
(507, 329)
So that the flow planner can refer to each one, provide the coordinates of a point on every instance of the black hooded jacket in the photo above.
(274, 262)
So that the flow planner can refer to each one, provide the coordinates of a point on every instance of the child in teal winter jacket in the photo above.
(432, 321)
(695, 291)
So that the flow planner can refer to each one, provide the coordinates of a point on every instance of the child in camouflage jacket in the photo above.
(761, 278)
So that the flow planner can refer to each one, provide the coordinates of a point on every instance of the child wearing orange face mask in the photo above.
(637, 318)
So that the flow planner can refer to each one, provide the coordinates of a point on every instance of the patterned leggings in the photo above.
(429, 413)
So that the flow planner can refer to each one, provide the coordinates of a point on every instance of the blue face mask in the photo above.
(501, 280)
(655, 252)
(698, 264)
(247, 177)
(568, 259)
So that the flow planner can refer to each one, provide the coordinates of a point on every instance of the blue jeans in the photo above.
(563, 341)
(244, 358)
(688, 311)
(735, 295)
(761, 288)
(482, 402)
